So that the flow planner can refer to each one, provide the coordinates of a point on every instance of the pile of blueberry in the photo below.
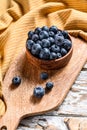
(48, 43)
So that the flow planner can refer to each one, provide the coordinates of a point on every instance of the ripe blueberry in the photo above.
(39, 92)
(49, 85)
(30, 34)
(45, 54)
(38, 30)
(54, 29)
(29, 44)
(16, 80)
(45, 28)
(53, 55)
(55, 48)
(35, 37)
(44, 75)
(45, 43)
(63, 51)
(43, 35)
(36, 48)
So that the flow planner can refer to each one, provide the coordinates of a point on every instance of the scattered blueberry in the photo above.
(54, 29)
(45, 54)
(16, 80)
(44, 75)
(29, 44)
(49, 85)
(39, 92)
(63, 51)
(53, 55)
(36, 48)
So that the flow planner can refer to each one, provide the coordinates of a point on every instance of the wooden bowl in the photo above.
(49, 64)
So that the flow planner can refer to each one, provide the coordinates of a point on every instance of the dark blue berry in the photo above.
(59, 33)
(39, 42)
(38, 30)
(51, 39)
(36, 48)
(43, 35)
(45, 28)
(35, 37)
(45, 54)
(51, 34)
(16, 80)
(29, 44)
(39, 92)
(59, 55)
(46, 43)
(44, 75)
(59, 40)
(49, 85)
(55, 48)
(65, 34)
(30, 34)
(63, 51)
(54, 29)
(53, 55)
(67, 44)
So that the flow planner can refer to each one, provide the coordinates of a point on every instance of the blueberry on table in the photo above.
(36, 48)
(29, 44)
(39, 92)
(54, 29)
(49, 85)
(16, 80)
(43, 35)
(44, 76)
(44, 54)
(45, 28)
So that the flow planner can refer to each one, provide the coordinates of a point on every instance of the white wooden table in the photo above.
(71, 115)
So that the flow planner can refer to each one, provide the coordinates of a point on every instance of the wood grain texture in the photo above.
(20, 102)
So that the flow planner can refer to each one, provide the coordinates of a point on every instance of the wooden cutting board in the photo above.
(19, 100)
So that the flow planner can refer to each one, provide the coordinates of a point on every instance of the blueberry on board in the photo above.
(51, 39)
(36, 48)
(59, 55)
(59, 40)
(63, 51)
(44, 54)
(35, 37)
(29, 44)
(67, 44)
(49, 85)
(43, 35)
(16, 80)
(39, 92)
(45, 28)
(65, 34)
(51, 34)
(44, 75)
(46, 43)
(38, 30)
(53, 55)
(54, 29)
(55, 48)
(30, 34)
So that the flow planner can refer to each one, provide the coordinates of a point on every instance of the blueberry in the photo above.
(39, 42)
(38, 30)
(59, 33)
(51, 34)
(63, 51)
(45, 28)
(39, 92)
(45, 54)
(55, 48)
(46, 43)
(29, 44)
(54, 29)
(59, 55)
(65, 34)
(67, 44)
(49, 85)
(51, 39)
(53, 55)
(44, 75)
(35, 37)
(43, 35)
(16, 80)
(59, 40)
(36, 48)
(30, 34)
